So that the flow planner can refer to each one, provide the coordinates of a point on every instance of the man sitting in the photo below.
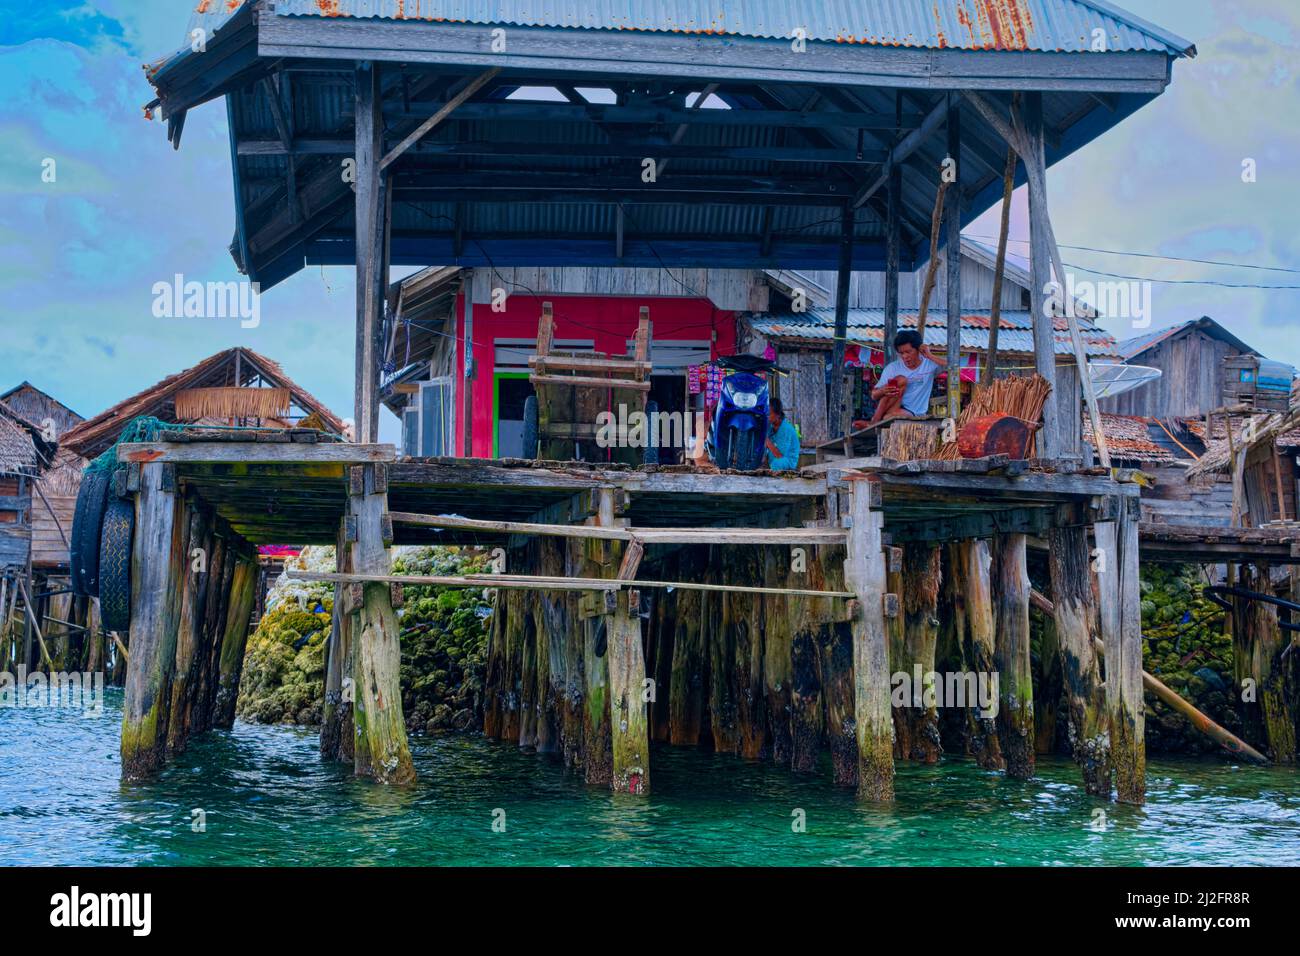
(783, 445)
(906, 382)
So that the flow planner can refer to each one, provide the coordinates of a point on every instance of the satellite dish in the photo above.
(1116, 379)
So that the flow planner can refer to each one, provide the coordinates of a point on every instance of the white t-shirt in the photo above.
(920, 383)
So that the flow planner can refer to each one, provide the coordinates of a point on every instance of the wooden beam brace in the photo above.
(446, 110)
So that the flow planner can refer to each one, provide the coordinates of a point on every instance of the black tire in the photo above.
(115, 564)
(92, 499)
(530, 427)
(651, 456)
(744, 450)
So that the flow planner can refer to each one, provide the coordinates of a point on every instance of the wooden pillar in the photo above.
(380, 745)
(156, 563)
(686, 692)
(952, 217)
(336, 729)
(1010, 578)
(243, 592)
(743, 620)
(1259, 644)
(1078, 624)
(601, 558)
(371, 206)
(552, 628)
(864, 575)
(971, 567)
(918, 722)
(1121, 627)
(893, 241)
(1049, 438)
(835, 408)
(836, 652)
(628, 725)
(778, 631)
(189, 629)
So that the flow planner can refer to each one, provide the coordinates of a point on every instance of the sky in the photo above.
(80, 256)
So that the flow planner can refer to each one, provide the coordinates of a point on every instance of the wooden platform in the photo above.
(296, 493)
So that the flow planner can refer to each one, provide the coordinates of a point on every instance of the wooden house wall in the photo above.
(15, 521)
(1175, 500)
(737, 290)
(48, 550)
(1190, 383)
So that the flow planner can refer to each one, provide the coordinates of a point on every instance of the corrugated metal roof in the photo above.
(866, 327)
(1050, 25)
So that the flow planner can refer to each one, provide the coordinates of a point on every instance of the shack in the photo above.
(670, 139)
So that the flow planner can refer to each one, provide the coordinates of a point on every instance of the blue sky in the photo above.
(79, 257)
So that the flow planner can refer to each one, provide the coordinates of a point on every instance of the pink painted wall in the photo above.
(608, 320)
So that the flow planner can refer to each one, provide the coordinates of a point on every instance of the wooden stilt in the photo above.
(575, 673)
(918, 723)
(836, 653)
(243, 592)
(193, 592)
(381, 749)
(971, 568)
(1010, 579)
(552, 626)
(337, 731)
(628, 725)
(864, 574)
(1121, 627)
(1260, 645)
(686, 690)
(156, 564)
(743, 617)
(777, 633)
(1078, 624)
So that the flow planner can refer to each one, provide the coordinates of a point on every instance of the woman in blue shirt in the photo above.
(783, 445)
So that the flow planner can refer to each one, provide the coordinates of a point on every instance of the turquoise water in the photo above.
(269, 800)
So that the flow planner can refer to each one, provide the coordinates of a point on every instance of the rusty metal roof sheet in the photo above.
(866, 327)
(1067, 26)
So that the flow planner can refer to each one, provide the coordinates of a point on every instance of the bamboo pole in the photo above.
(36, 627)
(525, 582)
(999, 270)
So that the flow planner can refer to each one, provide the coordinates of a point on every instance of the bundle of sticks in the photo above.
(1022, 397)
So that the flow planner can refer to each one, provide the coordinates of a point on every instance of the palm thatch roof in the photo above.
(1279, 428)
(23, 448)
(205, 394)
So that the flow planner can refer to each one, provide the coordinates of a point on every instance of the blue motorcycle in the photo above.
(738, 437)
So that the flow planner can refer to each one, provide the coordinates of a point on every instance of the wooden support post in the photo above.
(952, 217)
(686, 693)
(370, 208)
(742, 619)
(380, 745)
(1049, 438)
(629, 729)
(864, 574)
(156, 562)
(601, 559)
(893, 240)
(1121, 628)
(194, 591)
(835, 410)
(1078, 625)
(336, 729)
(777, 633)
(243, 592)
(1010, 578)
(1259, 643)
(971, 566)
(917, 724)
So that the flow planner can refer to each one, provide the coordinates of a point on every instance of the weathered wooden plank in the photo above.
(1121, 627)
(155, 573)
(864, 574)
(1010, 579)
(256, 453)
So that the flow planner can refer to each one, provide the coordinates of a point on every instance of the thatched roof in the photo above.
(233, 368)
(19, 454)
(1282, 429)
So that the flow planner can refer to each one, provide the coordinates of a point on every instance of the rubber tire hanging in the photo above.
(115, 564)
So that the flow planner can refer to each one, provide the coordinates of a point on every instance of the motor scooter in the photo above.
(738, 436)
